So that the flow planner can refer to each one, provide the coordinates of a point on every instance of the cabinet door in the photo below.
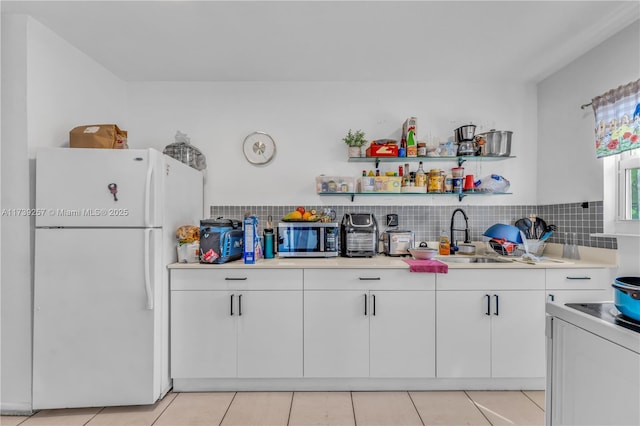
(517, 334)
(336, 333)
(203, 334)
(270, 334)
(402, 333)
(463, 334)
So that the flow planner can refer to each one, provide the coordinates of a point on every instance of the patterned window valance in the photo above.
(617, 119)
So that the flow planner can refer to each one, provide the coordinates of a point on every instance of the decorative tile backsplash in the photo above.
(427, 221)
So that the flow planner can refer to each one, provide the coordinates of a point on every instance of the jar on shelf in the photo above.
(436, 181)
(457, 172)
(448, 183)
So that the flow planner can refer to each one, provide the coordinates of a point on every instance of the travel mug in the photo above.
(268, 243)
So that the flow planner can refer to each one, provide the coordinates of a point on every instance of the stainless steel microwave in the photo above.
(308, 239)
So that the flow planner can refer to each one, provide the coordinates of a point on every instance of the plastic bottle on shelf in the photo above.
(444, 246)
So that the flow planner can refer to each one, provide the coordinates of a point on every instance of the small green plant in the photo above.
(355, 139)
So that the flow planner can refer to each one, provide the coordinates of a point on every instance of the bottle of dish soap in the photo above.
(444, 246)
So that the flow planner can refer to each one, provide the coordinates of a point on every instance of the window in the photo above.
(622, 193)
(628, 188)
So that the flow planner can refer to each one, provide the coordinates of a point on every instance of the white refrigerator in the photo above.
(105, 233)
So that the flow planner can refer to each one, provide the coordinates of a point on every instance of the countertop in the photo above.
(590, 258)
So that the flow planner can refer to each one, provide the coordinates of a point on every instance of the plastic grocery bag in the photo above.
(492, 183)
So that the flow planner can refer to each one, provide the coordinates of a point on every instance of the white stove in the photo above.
(593, 365)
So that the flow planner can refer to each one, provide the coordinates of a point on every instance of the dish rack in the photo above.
(536, 248)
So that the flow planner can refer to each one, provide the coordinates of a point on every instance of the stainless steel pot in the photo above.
(495, 143)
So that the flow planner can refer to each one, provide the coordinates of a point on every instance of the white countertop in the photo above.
(590, 258)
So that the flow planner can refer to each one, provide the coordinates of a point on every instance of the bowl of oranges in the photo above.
(300, 214)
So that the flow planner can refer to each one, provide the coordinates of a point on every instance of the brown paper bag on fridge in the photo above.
(98, 136)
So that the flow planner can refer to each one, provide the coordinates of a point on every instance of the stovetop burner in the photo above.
(606, 312)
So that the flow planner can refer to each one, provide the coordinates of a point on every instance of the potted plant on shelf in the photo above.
(355, 141)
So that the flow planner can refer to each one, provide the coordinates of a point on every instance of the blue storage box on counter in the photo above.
(220, 240)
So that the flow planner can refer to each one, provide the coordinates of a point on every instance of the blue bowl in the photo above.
(501, 231)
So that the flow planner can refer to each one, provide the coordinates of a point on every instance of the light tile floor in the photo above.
(453, 408)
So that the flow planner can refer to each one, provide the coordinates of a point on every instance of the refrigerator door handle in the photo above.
(147, 270)
(147, 195)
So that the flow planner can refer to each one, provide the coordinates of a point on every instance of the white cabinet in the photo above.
(336, 334)
(463, 334)
(402, 333)
(472, 325)
(579, 285)
(490, 323)
(369, 323)
(236, 323)
(203, 334)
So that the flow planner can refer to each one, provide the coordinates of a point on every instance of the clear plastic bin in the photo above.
(332, 184)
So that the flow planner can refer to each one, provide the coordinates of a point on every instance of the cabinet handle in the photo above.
(365, 304)
(488, 304)
(369, 278)
(235, 278)
(578, 278)
(232, 304)
(374, 304)
(239, 305)
(552, 298)
(497, 304)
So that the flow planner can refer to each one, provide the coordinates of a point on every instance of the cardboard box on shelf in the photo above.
(382, 151)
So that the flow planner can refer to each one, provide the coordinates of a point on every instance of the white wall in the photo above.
(566, 144)
(48, 87)
(308, 121)
(566, 133)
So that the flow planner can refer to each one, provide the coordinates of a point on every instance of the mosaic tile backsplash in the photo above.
(427, 221)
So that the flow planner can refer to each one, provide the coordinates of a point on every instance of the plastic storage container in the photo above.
(330, 184)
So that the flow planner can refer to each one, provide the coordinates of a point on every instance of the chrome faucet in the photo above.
(466, 229)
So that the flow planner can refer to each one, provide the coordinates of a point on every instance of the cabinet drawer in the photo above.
(578, 279)
(243, 279)
(494, 279)
(367, 279)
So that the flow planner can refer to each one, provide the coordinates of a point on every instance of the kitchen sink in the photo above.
(473, 259)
